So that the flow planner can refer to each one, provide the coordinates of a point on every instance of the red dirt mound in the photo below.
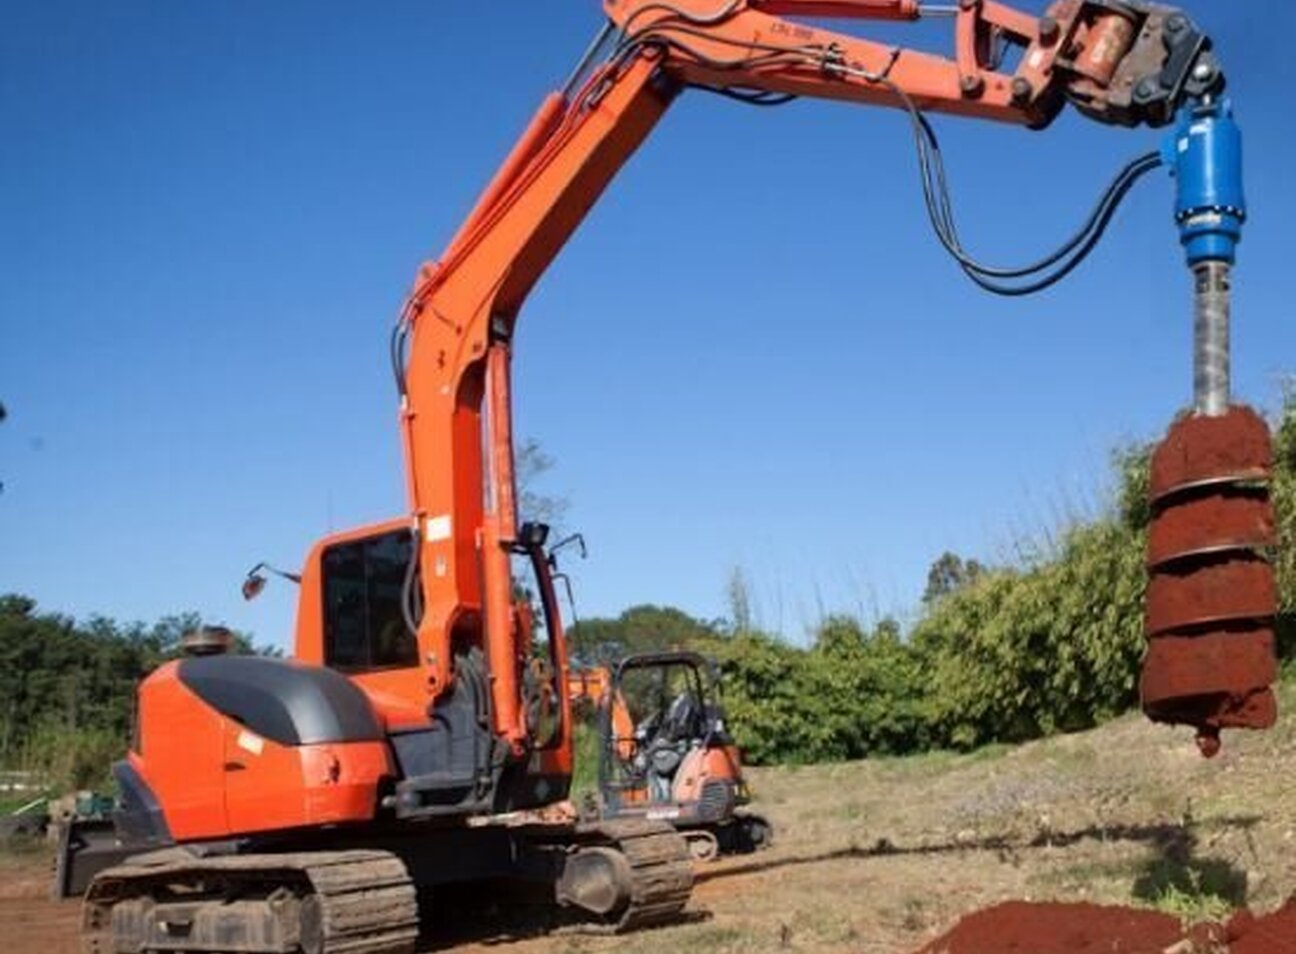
(1021, 928)
(1275, 934)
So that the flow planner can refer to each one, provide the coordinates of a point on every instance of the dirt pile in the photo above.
(1021, 928)
(1275, 934)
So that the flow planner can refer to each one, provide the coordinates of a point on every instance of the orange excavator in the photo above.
(421, 732)
(665, 752)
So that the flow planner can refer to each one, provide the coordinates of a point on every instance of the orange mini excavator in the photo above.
(665, 752)
(422, 726)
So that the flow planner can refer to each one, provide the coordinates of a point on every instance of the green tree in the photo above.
(773, 714)
(67, 689)
(870, 686)
(600, 641)
(1024, 653)
(739, 597)
(949, 574)
(531, 463)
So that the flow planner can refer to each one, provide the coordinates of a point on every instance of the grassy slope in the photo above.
(880, 856)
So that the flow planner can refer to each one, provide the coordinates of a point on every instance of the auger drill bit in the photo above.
(1211, 598)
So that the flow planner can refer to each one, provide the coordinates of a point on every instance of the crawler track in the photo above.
(661, 870)
(338, 902)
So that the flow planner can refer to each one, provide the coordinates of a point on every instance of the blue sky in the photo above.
(753, 353)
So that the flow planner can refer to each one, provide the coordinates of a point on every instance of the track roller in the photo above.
(703, 846)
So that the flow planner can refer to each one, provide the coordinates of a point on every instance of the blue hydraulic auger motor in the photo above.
(1204, 154)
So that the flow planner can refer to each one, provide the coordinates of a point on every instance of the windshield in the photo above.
(540, 630)
(364, 629)
(664, 695)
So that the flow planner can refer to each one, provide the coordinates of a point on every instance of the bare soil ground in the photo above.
(882, 856)
(29, 921)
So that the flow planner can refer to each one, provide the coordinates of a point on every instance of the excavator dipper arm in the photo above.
(1124, 63)
(1119, 62)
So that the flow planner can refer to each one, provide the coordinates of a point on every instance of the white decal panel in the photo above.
(437, 528)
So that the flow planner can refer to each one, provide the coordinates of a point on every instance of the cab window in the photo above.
(363, 625)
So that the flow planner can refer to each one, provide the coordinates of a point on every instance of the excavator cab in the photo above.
(360, 612)
(665, 753)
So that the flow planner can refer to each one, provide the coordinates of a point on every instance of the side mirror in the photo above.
(253, 586)
(255, 581)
